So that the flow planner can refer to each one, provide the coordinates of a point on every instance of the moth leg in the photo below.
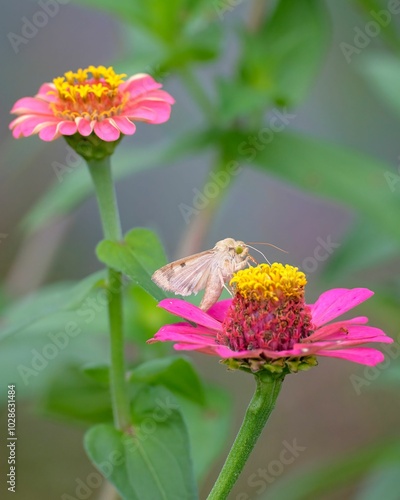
(250, 257)
(224, 284)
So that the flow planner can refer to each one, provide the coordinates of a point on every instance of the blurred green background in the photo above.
(338, 181)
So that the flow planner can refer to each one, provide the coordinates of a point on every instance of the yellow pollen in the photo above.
(269, 282)
(97, 81)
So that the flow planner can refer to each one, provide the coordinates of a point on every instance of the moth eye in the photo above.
(239, 250)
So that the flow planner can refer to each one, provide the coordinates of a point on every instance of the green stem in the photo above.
(100, 171)
(257, 414)
(199, 223)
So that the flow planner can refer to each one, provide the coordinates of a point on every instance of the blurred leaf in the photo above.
(236, 99)
(176, 374)
(282, 57)
(146, 245)
(151, 462)
(208, 427)
(332, 172)
(365, 246)
(382, 71)
(165, 20)
(47, 301)
(75, 396)
(381, 483)
(100, 373)
(32, 358)
(138, 256)
(324, 479)
(65, 196)
(144, 318)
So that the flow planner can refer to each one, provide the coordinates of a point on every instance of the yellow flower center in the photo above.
(91, 93)
(267, 313)
(269, 282)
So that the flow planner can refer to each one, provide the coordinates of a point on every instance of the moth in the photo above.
(208, 270)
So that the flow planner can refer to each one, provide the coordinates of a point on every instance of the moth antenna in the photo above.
(269, 244)
(259, 251)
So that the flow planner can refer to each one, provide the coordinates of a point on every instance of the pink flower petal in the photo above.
(47, 92)
(336, 302)
(219, 309)
(139, 84)
(189, 312)
(49, 132)
(26, 125)
(184, 333)
(32, 105)
(123, 124)
(158, 95)
(85, 126)
(106, 130)
(154, 112)
(363, 355)
(67, 128)
(323, 332)
(196, 347)
(360, 333)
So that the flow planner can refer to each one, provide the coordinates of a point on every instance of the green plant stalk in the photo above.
(199, 225)
(100, 171)
(257, 414)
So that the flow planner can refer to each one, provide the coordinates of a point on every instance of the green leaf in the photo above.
(382, 72)
(46, 302)
(332, 172)
(323, 479)
(283, 56)
(165, 20)
(143, 318)
(75, 396)
(154, 460)
(364, 247)
(176, 374)
(213, 420)
(138, 256)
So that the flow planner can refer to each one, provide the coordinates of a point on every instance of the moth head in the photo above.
(241, 249)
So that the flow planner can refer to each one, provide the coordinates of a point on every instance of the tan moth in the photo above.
(208, 270)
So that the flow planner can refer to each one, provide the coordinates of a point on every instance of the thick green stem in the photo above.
(100, 171)
(257, 414)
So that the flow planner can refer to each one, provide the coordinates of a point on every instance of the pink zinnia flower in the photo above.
(95, 99)
(268, 325)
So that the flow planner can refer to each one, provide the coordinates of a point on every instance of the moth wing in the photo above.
(186, 276)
